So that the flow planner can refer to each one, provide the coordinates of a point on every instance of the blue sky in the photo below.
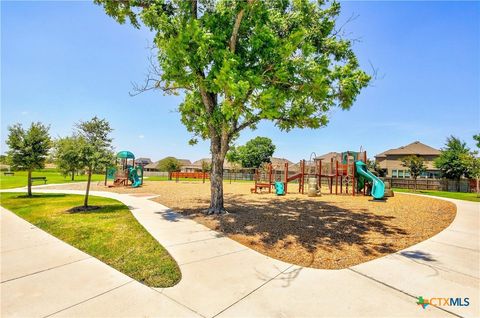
(62, 62)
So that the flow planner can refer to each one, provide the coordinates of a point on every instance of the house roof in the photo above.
(415, 148)
(144, 160)
(329, 156)
(153, 165)
(198, 164)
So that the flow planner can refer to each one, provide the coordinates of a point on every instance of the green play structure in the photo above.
(124, 172)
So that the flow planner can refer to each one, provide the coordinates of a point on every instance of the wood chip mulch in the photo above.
(329, 232)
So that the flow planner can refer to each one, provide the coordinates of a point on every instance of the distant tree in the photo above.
(453, 161)
(373, 166)
(95, 149)
(206, 167)
(238, 62)
(28, 148)
(416, 166)
(169, 164)
(68, 155)
(475, 164)
(3, 159)
(255, 152)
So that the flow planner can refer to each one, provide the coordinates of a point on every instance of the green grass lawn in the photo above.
(111, 234)
(53, 176)
(444, 194)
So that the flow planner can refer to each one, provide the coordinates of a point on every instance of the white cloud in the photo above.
(141, 136)
(24, 113)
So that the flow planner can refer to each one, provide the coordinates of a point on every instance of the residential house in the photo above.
(153, 165)
(142, 162)
(391, 160)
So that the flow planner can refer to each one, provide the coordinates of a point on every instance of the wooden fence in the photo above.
(464, 185)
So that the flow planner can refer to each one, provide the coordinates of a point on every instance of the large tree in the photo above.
(416, 165)
(95, 146)
(454, 160)
(67, 154)
(242, 61)
(28, 148)
(255, 152)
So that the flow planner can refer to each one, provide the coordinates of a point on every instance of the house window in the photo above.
(400, 173)
(394, 173)
(407, 173)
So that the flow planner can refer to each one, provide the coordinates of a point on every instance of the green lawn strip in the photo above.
(444, 194)
(111, 234)
(53, 176)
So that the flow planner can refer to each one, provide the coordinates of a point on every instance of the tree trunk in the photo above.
(216, 185)
(169, 175)
(85, 202)
(414, 184)
(29, 184)
(73, 175)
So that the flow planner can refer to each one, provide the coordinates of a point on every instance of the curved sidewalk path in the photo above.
(42, 276)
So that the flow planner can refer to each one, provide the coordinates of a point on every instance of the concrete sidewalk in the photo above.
(43, 276)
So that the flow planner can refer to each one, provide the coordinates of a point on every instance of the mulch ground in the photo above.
(330, 232)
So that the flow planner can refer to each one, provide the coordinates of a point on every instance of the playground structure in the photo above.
(346, 173)
(123, 173)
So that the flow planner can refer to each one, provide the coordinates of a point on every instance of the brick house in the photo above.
(391, 160)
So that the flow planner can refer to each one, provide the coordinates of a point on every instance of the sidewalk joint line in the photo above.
(254, 290)
(196, 241)
(175, 301)
(83, 301)
(212, 257)
(457, 246)
(44, 270)
(399, 290)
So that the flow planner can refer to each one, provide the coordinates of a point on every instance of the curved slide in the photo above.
(133, 176)
(378, 187)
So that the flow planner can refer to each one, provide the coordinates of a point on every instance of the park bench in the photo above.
(44, 179)
(7, 173)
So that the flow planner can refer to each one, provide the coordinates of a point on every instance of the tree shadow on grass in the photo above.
(94, 209)
(40, 196)
(313, 224)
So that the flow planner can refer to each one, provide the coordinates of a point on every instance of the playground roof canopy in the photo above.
(125, 155)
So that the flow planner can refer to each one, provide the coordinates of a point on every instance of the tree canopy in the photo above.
(239, 62)
(453, 162)
(28, 149)
(68, 155)
(96, 150)
(169, 164)
(255, 152)
(415, 165)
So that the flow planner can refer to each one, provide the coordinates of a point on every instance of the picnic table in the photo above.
(8, 173)
(44, 179)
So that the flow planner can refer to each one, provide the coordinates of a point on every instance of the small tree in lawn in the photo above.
(206, 167)
(239, 62)
(169, 164)
(95, 146)
(475, 164)
(28, 148)
(67, 154)
(453, 161)
(416, 166)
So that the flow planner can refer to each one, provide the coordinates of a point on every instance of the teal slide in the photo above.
(378, 187)
(133, 176)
